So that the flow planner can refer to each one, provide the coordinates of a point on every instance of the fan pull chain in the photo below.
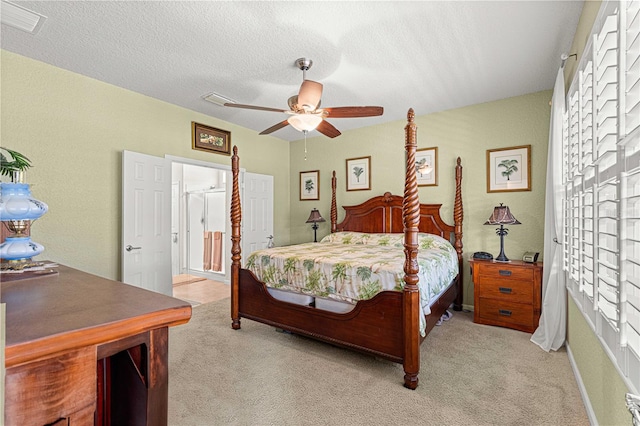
(305, 144)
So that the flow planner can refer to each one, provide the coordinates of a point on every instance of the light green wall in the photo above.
(74, 129)
(601, 380)
(603, 384)
(465, 132)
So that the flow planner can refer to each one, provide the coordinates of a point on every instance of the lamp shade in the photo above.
(315, 217)
(502, 216)
(16, 203)
(305, 122)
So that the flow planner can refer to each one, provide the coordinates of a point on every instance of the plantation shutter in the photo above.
(602, 185)
(630, 200)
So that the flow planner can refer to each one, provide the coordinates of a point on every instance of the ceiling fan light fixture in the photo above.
(305, 122)
(425, 169)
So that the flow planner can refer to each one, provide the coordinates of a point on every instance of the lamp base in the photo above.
(19, 249)
(502, 231)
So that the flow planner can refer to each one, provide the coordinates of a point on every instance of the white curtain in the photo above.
(551, 330)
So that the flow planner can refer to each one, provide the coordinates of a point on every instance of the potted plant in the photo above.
(13, 165)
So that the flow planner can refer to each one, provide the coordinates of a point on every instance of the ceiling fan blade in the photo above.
(353, 111)
(275, 127)
(259, 108)
(327, 129)
(309, 95)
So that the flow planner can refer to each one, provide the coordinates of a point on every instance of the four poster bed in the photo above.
(390, 324)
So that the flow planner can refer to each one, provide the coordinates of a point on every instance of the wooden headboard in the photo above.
(383, 214)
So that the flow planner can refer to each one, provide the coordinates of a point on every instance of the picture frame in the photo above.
(427, 166)
(206, 138)
(359, 173)
(310, 185)
(509, 169)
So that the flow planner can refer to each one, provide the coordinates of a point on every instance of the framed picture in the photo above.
(359, 174)
(310, 185)
(205, 138)
(427, 166)
(509, 169)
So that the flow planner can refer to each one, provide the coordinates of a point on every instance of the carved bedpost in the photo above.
(334, 209)
(411, 296)
(236, 218)
(457, 220)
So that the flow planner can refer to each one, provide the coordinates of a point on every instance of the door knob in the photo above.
(130, 247)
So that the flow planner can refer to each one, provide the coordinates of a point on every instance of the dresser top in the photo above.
(58, 312)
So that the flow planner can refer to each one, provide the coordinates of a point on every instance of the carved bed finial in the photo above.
(410, 115)
(387, 197)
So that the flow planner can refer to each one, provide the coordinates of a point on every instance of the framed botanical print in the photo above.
(509, 169)
(310, 185)
(359, 174)
(427, 166)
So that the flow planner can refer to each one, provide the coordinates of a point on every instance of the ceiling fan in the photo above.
(304, 108)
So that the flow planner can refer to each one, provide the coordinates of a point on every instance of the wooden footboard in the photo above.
(358, 329)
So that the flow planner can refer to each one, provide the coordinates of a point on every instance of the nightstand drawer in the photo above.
(507, 312)
(505, 271)
(507, 290)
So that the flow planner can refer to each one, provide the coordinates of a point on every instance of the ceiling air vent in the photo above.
(21, 18)
(217, 99)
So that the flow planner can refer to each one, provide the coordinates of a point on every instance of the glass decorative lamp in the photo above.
(502, 216)
(315, 218)
(17, 210)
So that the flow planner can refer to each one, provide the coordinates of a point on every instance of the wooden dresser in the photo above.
(84, 350)
(507, 294)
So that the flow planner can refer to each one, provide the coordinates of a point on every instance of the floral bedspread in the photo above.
(351, 266)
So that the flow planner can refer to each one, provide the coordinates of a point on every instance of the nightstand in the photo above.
(507, 294)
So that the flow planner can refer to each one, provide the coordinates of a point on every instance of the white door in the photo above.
(146, 222)
(257, 213)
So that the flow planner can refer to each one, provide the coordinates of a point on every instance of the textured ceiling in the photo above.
(428, 55)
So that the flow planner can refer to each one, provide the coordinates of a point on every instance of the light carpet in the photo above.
(470, 375)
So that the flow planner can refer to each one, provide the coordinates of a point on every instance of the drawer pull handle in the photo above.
(505, 273)
(505, 312)
(505, 290)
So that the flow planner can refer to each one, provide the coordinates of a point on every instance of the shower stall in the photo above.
(205, 226)
(199, 219)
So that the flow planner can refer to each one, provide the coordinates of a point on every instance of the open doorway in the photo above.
(198, 212)
(155, 243)
(198, 228)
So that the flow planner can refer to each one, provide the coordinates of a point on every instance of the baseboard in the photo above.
(583, 391)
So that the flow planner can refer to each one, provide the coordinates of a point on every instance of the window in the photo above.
(602, 185)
